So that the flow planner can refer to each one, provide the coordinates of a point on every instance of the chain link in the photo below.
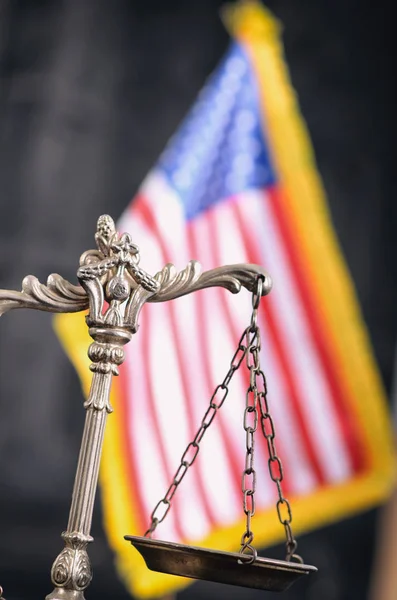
(190, 454)
(258, 387)
(250, 424)
(256, 409)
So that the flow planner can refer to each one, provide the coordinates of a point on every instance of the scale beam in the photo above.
(114, 288)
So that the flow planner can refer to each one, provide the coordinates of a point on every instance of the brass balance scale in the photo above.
(114, 288)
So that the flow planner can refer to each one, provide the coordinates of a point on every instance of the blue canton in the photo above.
(220, 149)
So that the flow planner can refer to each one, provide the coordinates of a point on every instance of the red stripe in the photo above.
(151, 405)
(262, 441)
(147, 215)
(213, 241)
(280, 354)
(155, 421)
(312, 309)
(127, 408)
(234, 466)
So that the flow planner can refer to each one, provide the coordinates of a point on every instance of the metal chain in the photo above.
(256, 406)
(250, 423)
(190, 454)
(258, 390)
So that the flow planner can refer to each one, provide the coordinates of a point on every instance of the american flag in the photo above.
(214, 197)
(235, 184)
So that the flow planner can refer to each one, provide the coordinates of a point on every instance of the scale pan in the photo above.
(221, 567)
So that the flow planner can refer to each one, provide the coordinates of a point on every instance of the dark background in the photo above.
(90, 91)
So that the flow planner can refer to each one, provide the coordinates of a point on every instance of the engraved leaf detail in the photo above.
(58, 295)
(232, 277)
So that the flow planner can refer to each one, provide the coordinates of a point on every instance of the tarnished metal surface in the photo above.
(114, 288)
(220, 567)
(112, 270)
(257, 410)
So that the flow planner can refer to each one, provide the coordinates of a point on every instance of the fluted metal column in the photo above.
(71, 572)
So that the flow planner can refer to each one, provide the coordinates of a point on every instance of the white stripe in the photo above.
(150, 474)
(230, 246)
(299, 473)
(163, 369)
(170, 221)
(212, 463)
(219, 348)
(171, 407)
(312, 387)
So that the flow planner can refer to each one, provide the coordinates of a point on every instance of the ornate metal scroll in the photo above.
(114, 288)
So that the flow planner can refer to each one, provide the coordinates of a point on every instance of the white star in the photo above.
(236, 67)
(182, 179)
(245, 120)
(243, 164)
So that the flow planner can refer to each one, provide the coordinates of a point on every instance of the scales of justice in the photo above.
(114, 288)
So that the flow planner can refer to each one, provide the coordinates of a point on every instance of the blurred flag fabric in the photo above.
(238, 183)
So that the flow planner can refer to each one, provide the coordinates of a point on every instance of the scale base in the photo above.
(220, 567)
